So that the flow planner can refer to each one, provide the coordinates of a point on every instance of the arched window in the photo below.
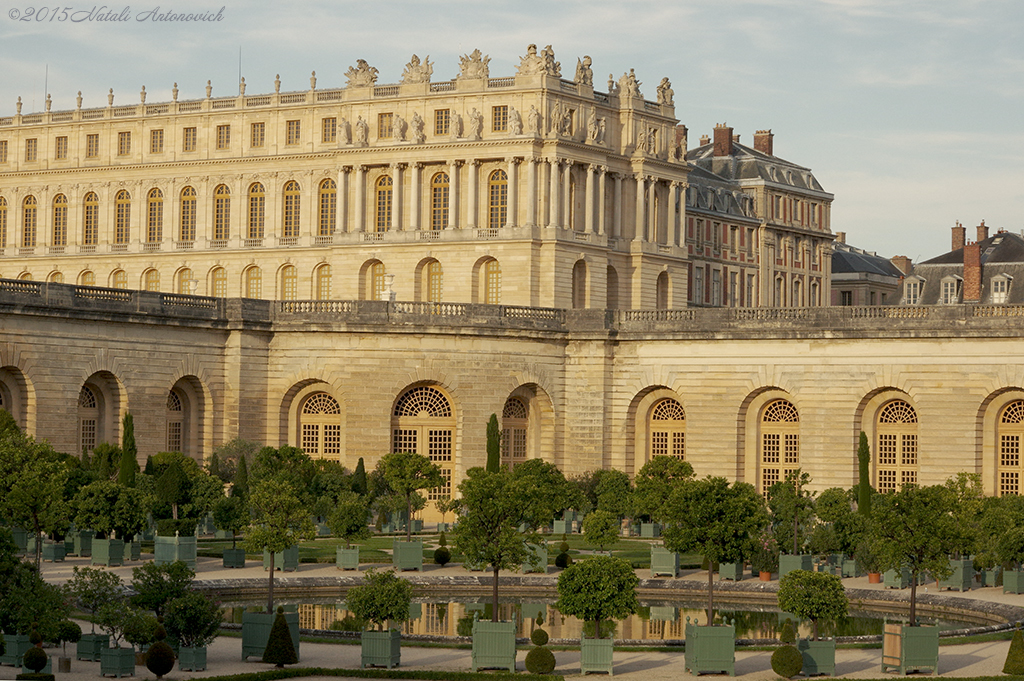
(612, 302)
(185, 280)
(257, 209)
(797, 291)
(91, 219)
(60, 221)
(492, 282)
(423, 423)
(253, 283)
(57, 278)
(780, 442)
(292, 198)
(28, 223)
(328, 207)
(219, 282)
(662, 291)
(187, 218)
(122, 217)
(3, 222)
(175, 422)
(119, 279)
(514, 425)
(154, 216)
(222, 213)
(497, 185)
(323, 282)
(1011, 428)
(435, 282)
(579, 285)
(375, 284)
(439, 186)
(88, 419)
(667, 427)
(25, 276)
(87, 278)
(896, 449)
(151, 280)
(320, 426)
(289, 283)
(384, 187)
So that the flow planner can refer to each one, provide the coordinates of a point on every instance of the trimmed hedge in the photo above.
(540, 660)
(539, 637)
(787, 661)
(298, 672)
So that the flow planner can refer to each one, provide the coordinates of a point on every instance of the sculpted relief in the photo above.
(584, 74)
(665, 93)
(416, 72)
(473, 65)
(533, 63)
(361, 75)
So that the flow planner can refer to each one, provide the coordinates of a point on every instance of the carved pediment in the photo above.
(474, 65)
(361, 75)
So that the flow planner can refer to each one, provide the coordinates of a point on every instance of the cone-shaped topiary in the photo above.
(160, 657)
(280, 650)
(539, 637)
(788, 632)
(540, 660)
(442, 555)
(1015, 656)
(442, 540)
(787, 661)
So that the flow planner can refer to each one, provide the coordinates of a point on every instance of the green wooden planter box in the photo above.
(650, 530)
(850, 568)
(444, 527)
(107, 552)
(787, 563)
(988, 577)
(256, 630)
(819, 656)
(407, 555)
(963, 575)
(83, 543)
(388, 528)
(69, 545)
(596, 655)
(664, 562)
(834, 570)
(733, 571)
(909, 649)
(347, 559)
(287, 560)
(664, 613)
(494, 645)
(381, 648)
(192, 659)
(16, 645)
(710, 649)
(537, 560)
(48, 669)
(169, 549)
(117, 662)
(132, 551)
(1013, 581)
(322, 530)
(417, 526)
(20, 539)
(561, 527)
(54, 552)
(234, 558)
(90, 646)
(897, 580)
(836, 559)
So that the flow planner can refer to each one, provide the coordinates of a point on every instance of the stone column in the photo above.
(639, 223)
(617, 207)
(396, 196)
(588, 210)
(453, 193)
(553, 199)
(567, 196)
(417, 191)
(360, 221)
(474, 194)
(513, 192)
(602, 189)
(531, 193)
(652, 211)
(342, 224)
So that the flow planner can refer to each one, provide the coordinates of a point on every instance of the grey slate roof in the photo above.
(1001, 254)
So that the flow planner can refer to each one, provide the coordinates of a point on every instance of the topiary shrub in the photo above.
(539, 637)
(787, 661)
(160, 657)
(441, 541)
(1015, 656)
(563, 547)
(35, 659)
(787, 634)
(563, 560)
(540, 660)
(442, 556)
(280, 650)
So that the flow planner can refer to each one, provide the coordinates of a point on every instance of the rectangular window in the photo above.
(3, 151)
(88, 435)
(329, 131)
(698, 284)
(999, 290)
(846, 298)
(716, 288)
(950, 291)
(189, 140)
(156, 141)
(403, 440)
(293, 131)
(913, 292)
(92, 146)
(499, 118)
(311, 439)
(61, 148)
(792, 451)
(750, 290)
(124, 143)
(442, 121)
(384, 123)
(174, 436)
(257, 135)
(31, 149)
(223, 136)
(771, 444)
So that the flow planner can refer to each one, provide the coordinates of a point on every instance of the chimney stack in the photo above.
(903, 264)
(982, 232)
(840, 237)
(959, 236)
(763, 142)
(972, 273)
(723, 140)
(705, 140)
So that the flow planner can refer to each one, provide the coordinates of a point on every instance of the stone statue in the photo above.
(613, 89)
(531, 64)
(277, 83)
(515, 122)
(110, 97)
(174, 92)
(473, 65)
(456, 125)
(241, 86)
(645, 140)
(78, 99)
(600, 131)
(361, 75)
(362, 132)
(398, 128)
(344, 132)
(476, 124)
(18, 105)
(555, 124)
(552, 67)
(209, 88)
(592, 126)
(665, 93)
(415, 72)
(416, 127)
(584, 74)
(533, 120)
(629, 85)
(142, 95)
(49, 102)
(312, 81)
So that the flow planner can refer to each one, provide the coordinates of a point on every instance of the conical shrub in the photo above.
(160, 657)
(280, 650)
(1015, 656)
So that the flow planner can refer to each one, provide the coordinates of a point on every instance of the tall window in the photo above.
(376, 281)
(31, 149)
(951, 288)
(175, 421)
(384, 125)
(499, 118)
(384, 187)
(3, 222)
(219, 282)
(257, 207)
(122, 217)
(423, 423)
(498, 191)
(912, 292)
(88, 418)
(667, 427)
(91, 219)
(661, 291)
(154, 216)
(223, 136)
(439, 186)
(780, 442)
(119, 279)
(151, 280)
(156, 141)
(289, 283)
(29, 215)
(320, 427)
(87, 278)
(435, 282)
(329, 130)
(291, 208)
(896, 449)
(492, 282)
(187, 217)
(1000, 289)
(258, 135)
(221, 212)
(442, 121)
(60, 221)
(3, 151)
(293, 132)
(1011, 428)
(253, 283)
(185, 280)
(579, 285)
(328, 207)
(124, 143)
(514, 423)
(61, 148)
(323, 282)
(188, 139)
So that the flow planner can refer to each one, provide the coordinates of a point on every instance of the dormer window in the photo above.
(912, 291)
(952, 288)
(1001, 288)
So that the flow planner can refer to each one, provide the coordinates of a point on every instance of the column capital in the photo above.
(592, 168)
(417, 164)
(474, 162)
(514, 160)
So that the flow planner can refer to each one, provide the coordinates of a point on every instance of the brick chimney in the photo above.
(723, 140)
(959, 237)
(903, 264)
(705, 140)
(681, 132)
(840, 237)
(736, 139)
(763, 142)
(982, 232)
(972, 273)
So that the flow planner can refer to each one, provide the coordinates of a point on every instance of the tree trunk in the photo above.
(408, 517)
(494, 596)
(796, 512)
(270, 587)
(711, 592)
(913, 599)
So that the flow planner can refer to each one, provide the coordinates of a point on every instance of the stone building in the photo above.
(862, 277)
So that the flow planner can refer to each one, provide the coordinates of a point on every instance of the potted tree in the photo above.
(116, 512)
(115, 618)
(815, 596)
(67, 632)
(405, 473)
(968, 506)
(792, 509)
(596, 589)
(91, 589)
(764, 554)
(140, 632)
(601, 529)
(231, 514)
(385, 598)
(348, 520)
(192, 620)
(156, 585)
(1011, 550)
(652, 487)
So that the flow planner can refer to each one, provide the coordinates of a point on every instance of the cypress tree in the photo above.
(359, 485)
(241, 486)
(129, 453)
(493, 445)
(864, 486)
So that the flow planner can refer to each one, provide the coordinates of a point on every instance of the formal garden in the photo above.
(598, 532)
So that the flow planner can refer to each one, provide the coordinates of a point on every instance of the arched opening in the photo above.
(253, 282)
(579, 285)
(323, 282)
(612, 285)
(99, 411)
(373, 283)
(29, 220)
(779, 442)
(60, 221)
(1011, 429)
(187, 215)
(257, 210)
(320, 426)
(487, 284)
(895, 446)
(219, 282)
(514, 428)
(423, 422)
(90, 219)
(497, 191)
(151, 280)
(186, 282)
(185, 423)
(289, 282)
(661, 292)
(122, 217)
(222, 212)
(292, 199)
(439, 186)
(667, 426)
(154, 216)
(119, 279)
(383, 193)
(328, 207)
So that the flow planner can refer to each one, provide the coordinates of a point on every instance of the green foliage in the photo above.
(1015, 655)
(464, 627)
(846, 527)
(330, 483)
(655, 483)
(787, 661)
(34, 659)
(172, 487)
(8, 426)
(117, 617)
(493, 444)
(968, 505)
(348, 623)
(156, 585)
(91, 588)
(442, 556)
(864, 491)
(160, 659)
(714, 519)
(348, 519)
(792, 509)
(813, 595)
(598, 588)
(289, 464)
(109, 507)
(106, 461)
(229, 458)
(231, 514)
(539, 637)
(241, 486)
(442, 540)
(614, 491)
(129, 464)
(601, 529)
(385, 597)
(280, 649)
(563, 560)
(405, 473)
(359, 485)
(545, 492)
(193, 619)
(140, 629)
(787, 634)
(34, 480)
(67, 632)
(540, 660)
(1011, 546)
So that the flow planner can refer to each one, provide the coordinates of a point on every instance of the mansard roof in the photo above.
(1001, 247)
(746, 164)
(849, 260)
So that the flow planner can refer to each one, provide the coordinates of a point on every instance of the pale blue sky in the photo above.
(910, 112)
